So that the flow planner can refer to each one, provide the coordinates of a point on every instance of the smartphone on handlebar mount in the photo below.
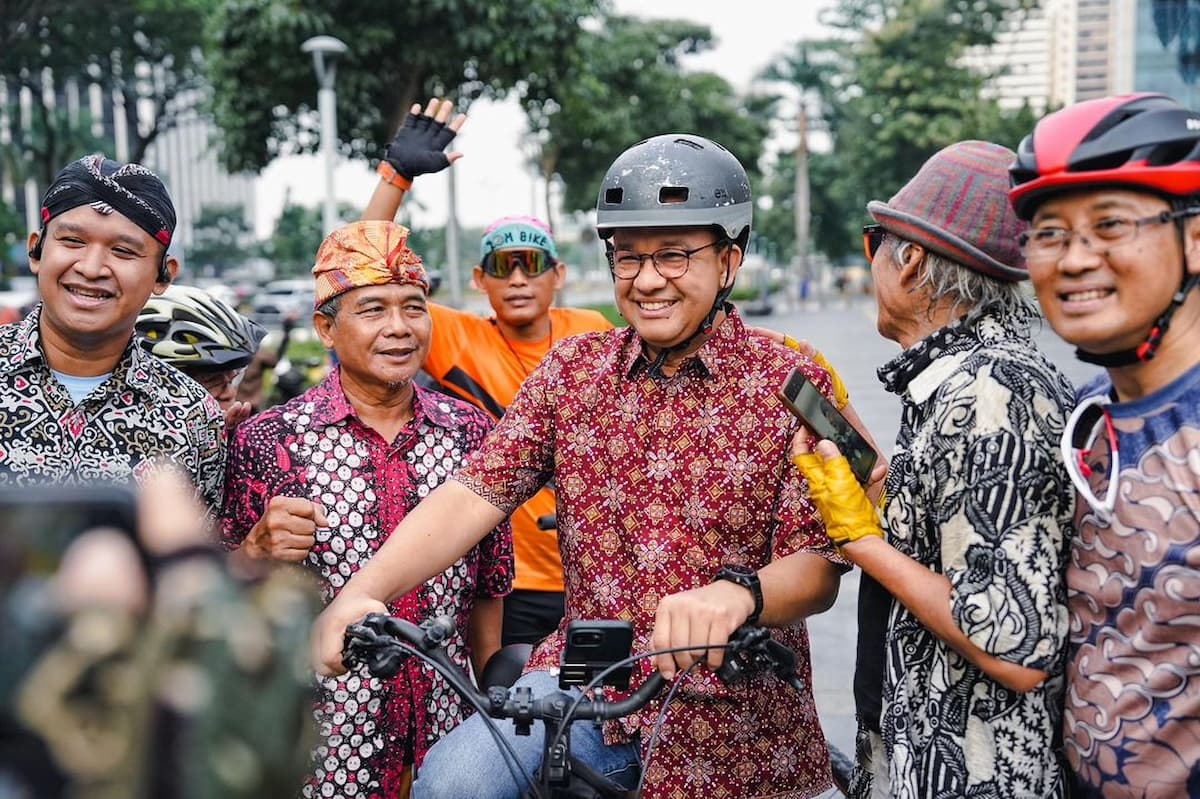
(825, 421)
(592, 647)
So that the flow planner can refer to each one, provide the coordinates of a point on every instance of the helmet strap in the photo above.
(1148, 348)
(719, 304)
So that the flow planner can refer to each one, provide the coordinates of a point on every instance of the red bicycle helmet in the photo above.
(1145, 141)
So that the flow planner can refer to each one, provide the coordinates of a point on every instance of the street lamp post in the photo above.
(325, 50)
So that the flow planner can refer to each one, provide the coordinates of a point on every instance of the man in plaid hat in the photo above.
(323, 480)
(962, 620)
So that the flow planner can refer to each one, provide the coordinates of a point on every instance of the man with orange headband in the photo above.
(325, 478)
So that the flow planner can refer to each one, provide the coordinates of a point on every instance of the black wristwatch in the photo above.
(747, 578)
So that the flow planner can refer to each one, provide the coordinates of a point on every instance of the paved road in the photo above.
(846, 334)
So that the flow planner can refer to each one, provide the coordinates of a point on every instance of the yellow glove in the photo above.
(847, 512)
(840, 395)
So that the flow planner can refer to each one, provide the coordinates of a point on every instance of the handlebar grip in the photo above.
(630, 704)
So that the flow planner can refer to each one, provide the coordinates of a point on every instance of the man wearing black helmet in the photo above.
(1112, 190)
(93, 406)
(206, 339)
(676, 509)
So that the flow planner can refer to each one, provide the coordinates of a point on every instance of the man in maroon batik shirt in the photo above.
(324, 478)
(677, 509)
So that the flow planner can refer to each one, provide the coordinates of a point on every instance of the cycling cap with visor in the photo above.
(513, 241)
(190, 329)
(677, 180)
(1145, 142)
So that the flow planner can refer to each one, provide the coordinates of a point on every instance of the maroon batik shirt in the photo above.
(660, 481)
(316, 447)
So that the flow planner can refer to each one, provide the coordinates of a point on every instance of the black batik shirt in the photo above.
(978, 493)
(145, 411)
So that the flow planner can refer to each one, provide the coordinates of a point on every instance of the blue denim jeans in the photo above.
(468, 762)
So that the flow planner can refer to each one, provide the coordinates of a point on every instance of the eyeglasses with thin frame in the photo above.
(217, 382)
(669, 262)
(501, 263)
(1078, 439)
(1051, 243)
(873, 236)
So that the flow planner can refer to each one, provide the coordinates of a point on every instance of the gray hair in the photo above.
(330, 307)
(944, 279)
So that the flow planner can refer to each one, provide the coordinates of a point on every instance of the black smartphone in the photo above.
(818, 414)
(593, 646)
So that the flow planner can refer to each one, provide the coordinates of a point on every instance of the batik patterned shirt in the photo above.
(978, 493)
(660, 481)
(1133, 681)
(316, 447)
(145, 411)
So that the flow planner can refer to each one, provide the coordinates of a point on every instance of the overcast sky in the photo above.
(492, 180)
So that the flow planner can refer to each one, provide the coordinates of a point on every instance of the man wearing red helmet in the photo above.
(1112, 190)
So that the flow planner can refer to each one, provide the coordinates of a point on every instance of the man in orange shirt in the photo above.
(485, 360)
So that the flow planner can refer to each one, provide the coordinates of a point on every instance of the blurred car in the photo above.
(279, 298)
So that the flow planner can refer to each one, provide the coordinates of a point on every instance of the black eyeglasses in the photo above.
(501, 263)
(873, 236)
(669, 262)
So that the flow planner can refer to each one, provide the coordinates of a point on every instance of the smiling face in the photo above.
(95, 273)
(381, 335)
(1105, 298)
(665, 312)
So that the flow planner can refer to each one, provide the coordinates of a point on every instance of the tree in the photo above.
(898, 91)
(625, 83)
(12, 232)
(297, 237)
(146, 52)
(265, 88)
(221, 237)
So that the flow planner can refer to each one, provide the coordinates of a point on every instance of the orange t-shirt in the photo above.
(470, 359)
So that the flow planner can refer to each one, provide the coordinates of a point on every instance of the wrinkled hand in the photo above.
(329, 630)
(236, 413)
(704, 617)
(286, 531)
(844, 506)
(418, 146)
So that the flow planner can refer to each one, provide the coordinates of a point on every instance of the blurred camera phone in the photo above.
(593, 646)
(825, 421)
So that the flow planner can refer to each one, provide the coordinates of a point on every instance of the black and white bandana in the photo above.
(129, 189)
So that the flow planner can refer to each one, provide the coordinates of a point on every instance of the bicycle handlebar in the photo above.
(379, 642)
(382, 642)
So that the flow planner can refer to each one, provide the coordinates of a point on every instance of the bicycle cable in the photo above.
(599, 678)
(659, 722)
(506, 749)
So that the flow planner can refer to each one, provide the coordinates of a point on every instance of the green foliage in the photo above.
(625, 83)
(99, 43)
(221, 237)
(890, 95)
(265, 89)
(293, 245)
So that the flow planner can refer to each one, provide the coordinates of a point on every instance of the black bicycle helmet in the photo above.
(191, 329)
(1146, 142)
(677, 180)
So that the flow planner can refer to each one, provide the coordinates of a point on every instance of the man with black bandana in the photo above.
(81, 401)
